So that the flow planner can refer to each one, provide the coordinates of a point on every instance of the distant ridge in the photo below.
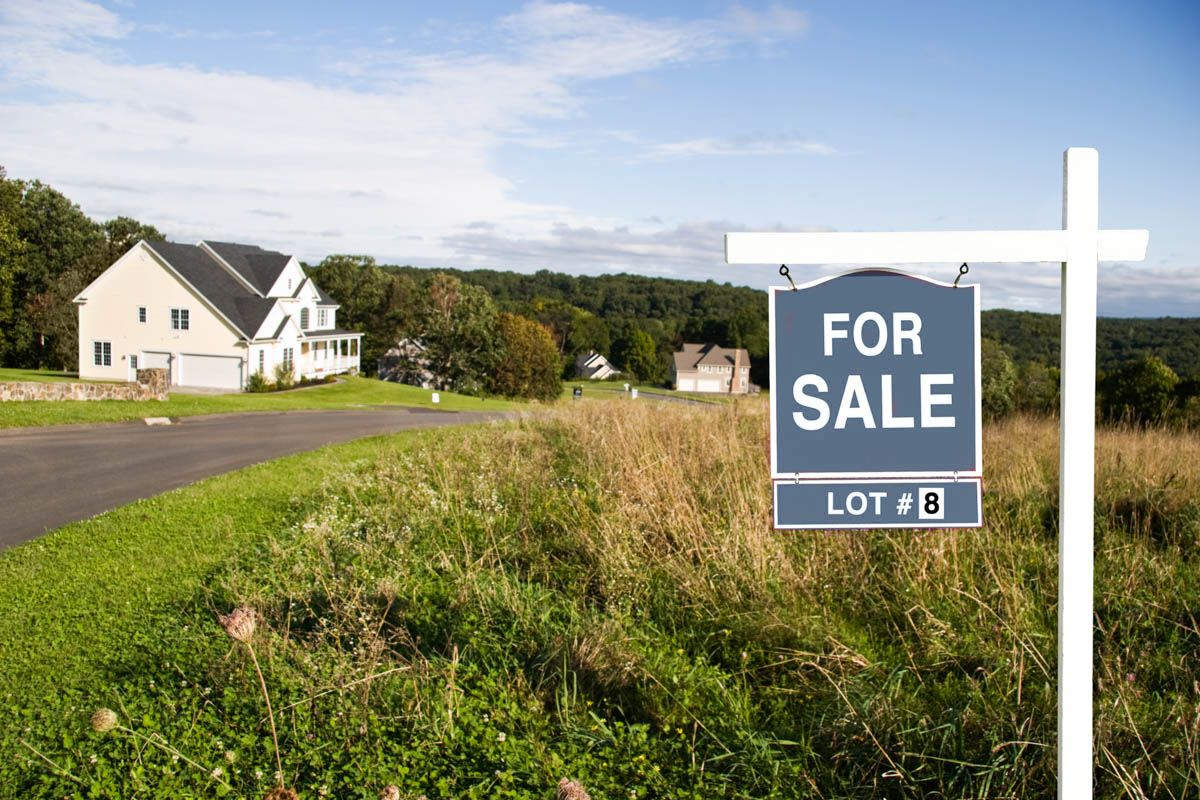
(1025, 335)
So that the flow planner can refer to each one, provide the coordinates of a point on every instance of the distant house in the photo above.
(710, 368)
(406, 363)
(593, 366)
(211, 314)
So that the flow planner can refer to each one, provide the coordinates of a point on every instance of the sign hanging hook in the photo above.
(963, 270)
(783, 270)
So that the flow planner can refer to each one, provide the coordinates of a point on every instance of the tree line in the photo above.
(489, 331)
(49, 252)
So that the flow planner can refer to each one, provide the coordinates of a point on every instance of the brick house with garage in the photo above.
(211, 314)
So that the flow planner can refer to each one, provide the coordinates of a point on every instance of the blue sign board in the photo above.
(841, 504)
(875, 374)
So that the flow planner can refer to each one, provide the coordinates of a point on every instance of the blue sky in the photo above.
(589, 138)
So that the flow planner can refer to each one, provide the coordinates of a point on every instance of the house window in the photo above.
(304, 319)
(287, 358)
(102, 354)
(354, 347)
(262, 361)
(179, 319)
(322, 318)
(133, 363)
(141, 314)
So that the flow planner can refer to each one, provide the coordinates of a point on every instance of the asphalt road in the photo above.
(56, 475)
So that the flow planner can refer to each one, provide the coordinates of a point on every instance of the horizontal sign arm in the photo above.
(923, 248)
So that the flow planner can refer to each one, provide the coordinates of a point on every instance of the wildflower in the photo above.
(390, 792)
(323, 791)
(104, 720)
(93, 758)
(230, 756)
(258, 774)
(500, 737)
(280, 793)
(239, 624)
(571, 790)
(217, 772)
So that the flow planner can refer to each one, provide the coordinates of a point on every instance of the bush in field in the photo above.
(285, 376)
(529, 366)
(1036, 388)
(257, 382)
(998, 379)
(1140, 390)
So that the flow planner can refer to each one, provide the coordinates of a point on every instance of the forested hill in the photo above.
(611, 296)
(1024, 335)
(1027, 336)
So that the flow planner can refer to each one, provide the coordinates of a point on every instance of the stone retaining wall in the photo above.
(151, 385)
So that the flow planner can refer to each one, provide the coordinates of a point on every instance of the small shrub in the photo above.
(285, 377)
(257, 382)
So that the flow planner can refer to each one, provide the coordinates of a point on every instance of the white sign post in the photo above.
(1079, 246)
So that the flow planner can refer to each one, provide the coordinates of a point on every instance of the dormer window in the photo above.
(304, 319)
(322, 318)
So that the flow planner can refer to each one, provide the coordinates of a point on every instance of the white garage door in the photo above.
(687, 384)
(711, 385)
(217, 372)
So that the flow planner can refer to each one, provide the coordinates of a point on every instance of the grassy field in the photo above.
(41, 376)
(604, 389)
(594, 592)
(352, 392)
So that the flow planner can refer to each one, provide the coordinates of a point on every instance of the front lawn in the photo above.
(354, 392)
(41, 376)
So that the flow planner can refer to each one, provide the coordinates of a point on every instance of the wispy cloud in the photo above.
(693, 250)
(399, 148)
(740, 146)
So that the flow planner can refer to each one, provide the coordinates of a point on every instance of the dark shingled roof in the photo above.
(330, 332)
(259, 267)
(693, 355)
(216, 285)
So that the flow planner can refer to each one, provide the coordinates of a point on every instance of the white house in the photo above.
(212, 314)
(593, 366)
(711, 368)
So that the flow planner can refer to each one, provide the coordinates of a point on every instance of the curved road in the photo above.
(56, 475)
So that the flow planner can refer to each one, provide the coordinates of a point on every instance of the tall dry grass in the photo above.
(621, 553)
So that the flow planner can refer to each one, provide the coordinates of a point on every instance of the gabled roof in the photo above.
(322, 298)
(244, 310)
(693, 355)
(260, 268)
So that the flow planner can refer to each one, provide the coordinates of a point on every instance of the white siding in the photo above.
(110, 314)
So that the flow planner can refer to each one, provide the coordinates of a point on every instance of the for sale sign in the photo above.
(875, 375)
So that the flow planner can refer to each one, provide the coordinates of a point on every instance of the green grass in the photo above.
(41, 376)
(594, 592)
(353, 392)
(602, 389)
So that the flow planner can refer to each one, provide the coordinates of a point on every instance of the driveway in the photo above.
(56, 475)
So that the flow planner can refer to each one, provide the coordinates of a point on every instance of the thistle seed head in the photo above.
(104, 720)
(390, 792)
(571, 790)
(239, 624)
